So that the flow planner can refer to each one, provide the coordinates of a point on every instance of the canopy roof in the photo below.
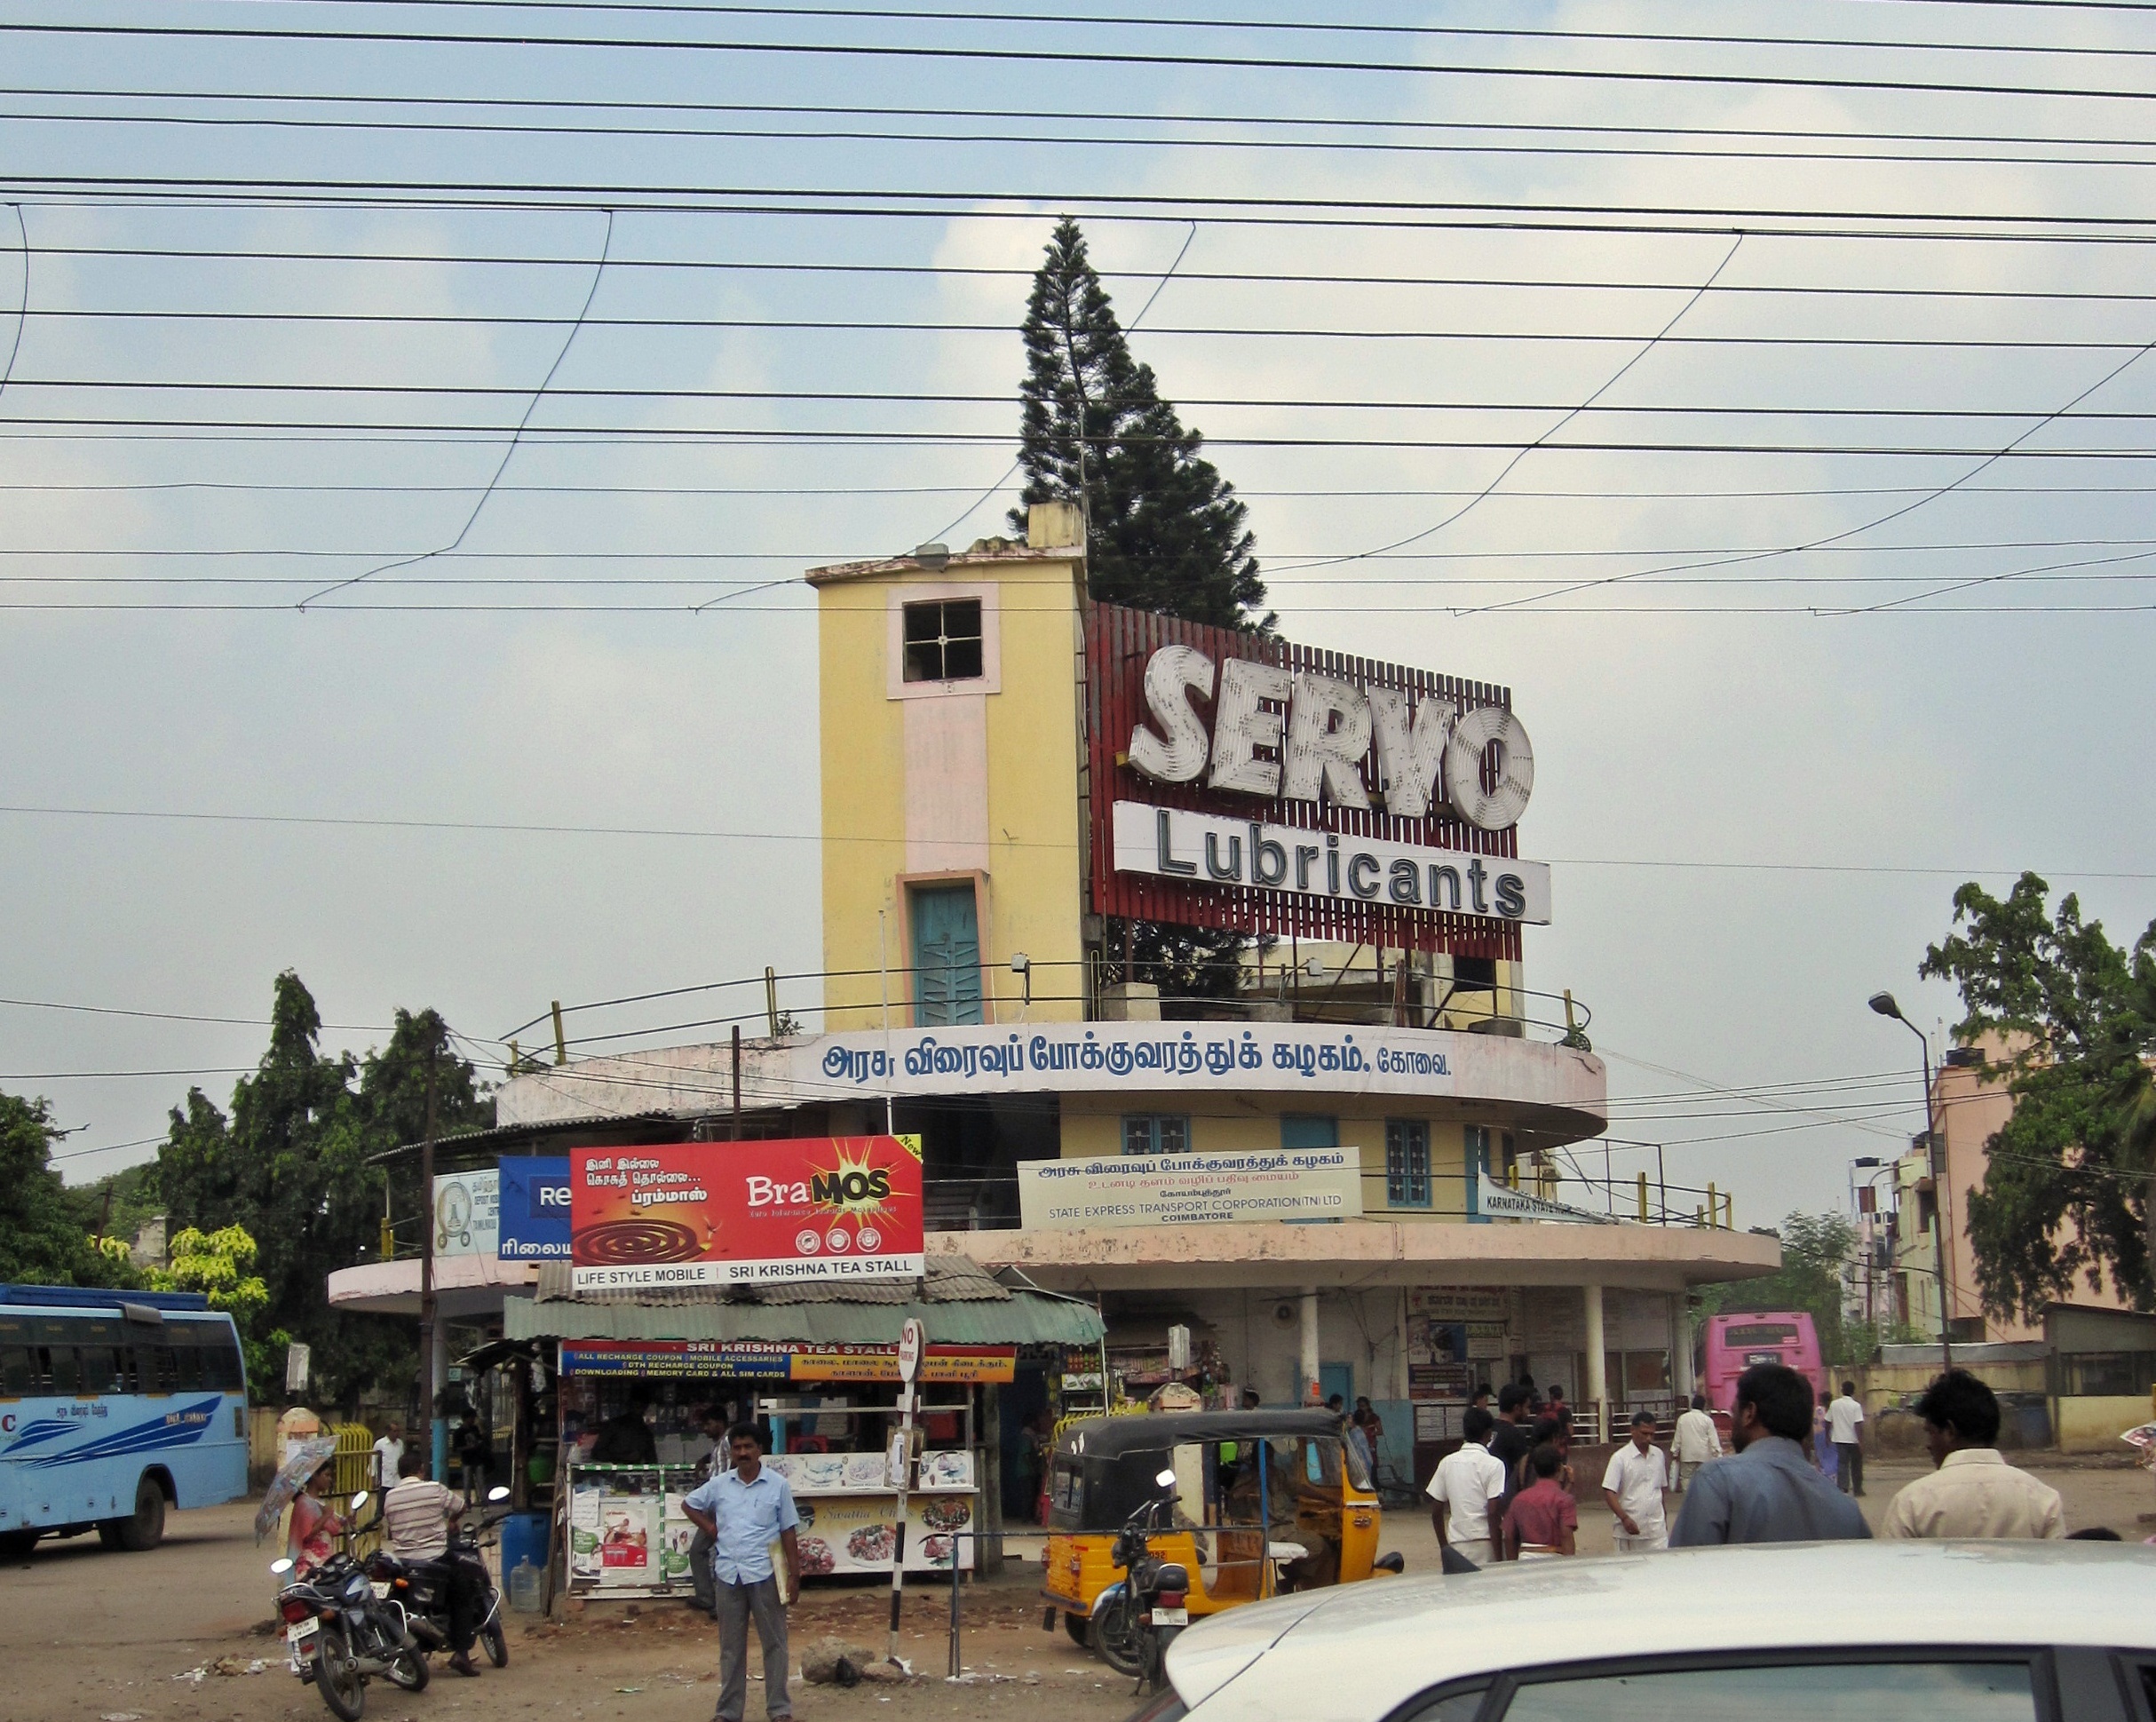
(964, 1305)
(1110, 1438)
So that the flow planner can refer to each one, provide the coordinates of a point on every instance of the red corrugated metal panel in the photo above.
(1118, 643)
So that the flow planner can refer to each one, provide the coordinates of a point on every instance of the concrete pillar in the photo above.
(1597, 1373)
(1307, 1386)
(1680, 1349)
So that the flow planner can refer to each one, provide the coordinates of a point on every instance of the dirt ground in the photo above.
(97, 1636)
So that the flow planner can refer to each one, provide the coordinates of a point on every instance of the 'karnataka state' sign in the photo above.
(737, 1213)
(1185, 1189)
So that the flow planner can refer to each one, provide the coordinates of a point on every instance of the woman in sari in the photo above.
(311, 1537)
(1823, 1454)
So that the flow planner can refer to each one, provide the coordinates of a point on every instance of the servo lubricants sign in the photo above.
(1253, 784)
(746, 1213)
(1183, 1189)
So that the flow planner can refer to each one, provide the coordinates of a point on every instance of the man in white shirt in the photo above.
(389, 1452)
(1845, 1430)
(1974, 1492)
(1696, 1441)
(1467, 1492)
(1633, 1487)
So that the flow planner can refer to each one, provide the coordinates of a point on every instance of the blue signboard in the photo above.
(535, 1209)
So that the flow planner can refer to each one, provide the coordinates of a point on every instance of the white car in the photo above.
(1786, 1632)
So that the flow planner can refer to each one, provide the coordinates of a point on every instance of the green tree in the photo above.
(220, 1265)
(42, 1238)
(1165, 531)
(1814, 1248)
(298, 1164)
(2066, 1190)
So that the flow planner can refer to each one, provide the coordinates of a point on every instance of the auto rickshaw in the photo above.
(1263, 1502)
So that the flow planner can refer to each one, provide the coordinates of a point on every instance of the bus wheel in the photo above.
(16, 1545)
(145, 1529)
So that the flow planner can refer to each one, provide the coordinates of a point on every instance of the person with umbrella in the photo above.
(310, 1538)
(302, 1480)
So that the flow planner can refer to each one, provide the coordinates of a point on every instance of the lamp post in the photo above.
(1885, 1005)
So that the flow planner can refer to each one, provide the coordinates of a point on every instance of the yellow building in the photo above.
(1334, 1164)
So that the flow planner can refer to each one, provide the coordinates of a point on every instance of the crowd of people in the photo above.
(1794, 1474)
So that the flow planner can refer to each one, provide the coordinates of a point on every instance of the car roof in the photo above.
(1358, 1651)
(1155, 1432)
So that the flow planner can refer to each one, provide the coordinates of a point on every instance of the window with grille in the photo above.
(943, 640)
(1156, 1132)
(1406, 1163)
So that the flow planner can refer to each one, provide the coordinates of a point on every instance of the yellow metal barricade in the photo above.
(355, 1470)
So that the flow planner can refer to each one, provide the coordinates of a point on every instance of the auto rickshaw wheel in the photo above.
(1080, 1629)
(1119, 1638)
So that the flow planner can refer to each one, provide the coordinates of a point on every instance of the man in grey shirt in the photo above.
(1769, 1492)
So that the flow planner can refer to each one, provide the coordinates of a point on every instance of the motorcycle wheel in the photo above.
(496, 1643)
(1119, 1637)
(341, 1684)
(409, 1670)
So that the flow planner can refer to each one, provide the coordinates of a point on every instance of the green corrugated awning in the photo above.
(964, 1307)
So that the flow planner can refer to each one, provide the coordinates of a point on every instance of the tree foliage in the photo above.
(293, 1166)
(1814, 1248)
(1165, 532)
(2065, 1196)
(44, 1240)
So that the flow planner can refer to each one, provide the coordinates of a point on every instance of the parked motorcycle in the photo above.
(340, 1634)
(422, 1588)
(1146, 1608)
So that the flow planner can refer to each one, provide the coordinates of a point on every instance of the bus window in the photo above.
(221, 1366)
(57, 1364)
(188, 1362)
(15, 1372)
(100, 1369)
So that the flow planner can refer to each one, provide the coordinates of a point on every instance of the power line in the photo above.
(1415, 69)
(1424, 32)
(177, 1016)
(534, 829)
(884, 326)
(240, 254)
(1409, 214)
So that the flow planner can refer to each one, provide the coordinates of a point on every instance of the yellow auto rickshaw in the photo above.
(1263, 1502)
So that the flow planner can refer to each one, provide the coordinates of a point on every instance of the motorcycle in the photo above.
(422, 1588)
(1145, 1611)
(339, 1633)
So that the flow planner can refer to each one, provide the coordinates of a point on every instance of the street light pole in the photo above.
(1885, 1005)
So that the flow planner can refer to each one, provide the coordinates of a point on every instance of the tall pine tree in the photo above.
(1165, 532)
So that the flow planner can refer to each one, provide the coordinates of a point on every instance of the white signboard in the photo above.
(468, 1213)
(1182, 1189)
(1500, 1202)
(1139, 1057)
(1209, 849)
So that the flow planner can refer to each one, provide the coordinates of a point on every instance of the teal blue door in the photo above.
(947, 956)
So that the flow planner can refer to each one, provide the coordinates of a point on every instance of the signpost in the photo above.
(912, 1341)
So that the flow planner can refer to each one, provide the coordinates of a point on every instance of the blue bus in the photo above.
(113, 1406)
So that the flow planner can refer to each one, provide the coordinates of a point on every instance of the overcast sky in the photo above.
(1756, 804)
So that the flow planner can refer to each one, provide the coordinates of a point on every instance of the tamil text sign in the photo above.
(780, 1360)
(467, 1213)
(534, 1225)
(737, 1213)
(1182, 1189)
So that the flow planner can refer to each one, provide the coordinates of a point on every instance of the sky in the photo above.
(256, 718)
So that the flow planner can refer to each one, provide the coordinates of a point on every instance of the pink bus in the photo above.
(1729, 1344)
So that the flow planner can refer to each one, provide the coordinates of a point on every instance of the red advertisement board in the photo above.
(745, 1213)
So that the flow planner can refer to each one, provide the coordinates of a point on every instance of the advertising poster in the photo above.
(1183, 1189)
(780, 1360)
(1453, 1336)
(467, 1213)
(851, 1534)
(746, 1213)
(535, 1210)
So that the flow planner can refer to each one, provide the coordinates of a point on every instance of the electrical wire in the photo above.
(1419, 70)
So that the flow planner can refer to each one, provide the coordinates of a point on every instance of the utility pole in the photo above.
(439, 1429)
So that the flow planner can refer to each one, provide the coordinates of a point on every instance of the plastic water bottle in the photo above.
(526, 1586)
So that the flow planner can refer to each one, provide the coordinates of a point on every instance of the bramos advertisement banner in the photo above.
(746, 1213)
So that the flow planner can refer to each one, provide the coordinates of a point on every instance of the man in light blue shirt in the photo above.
(744, 1511)
(1769, 1492)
